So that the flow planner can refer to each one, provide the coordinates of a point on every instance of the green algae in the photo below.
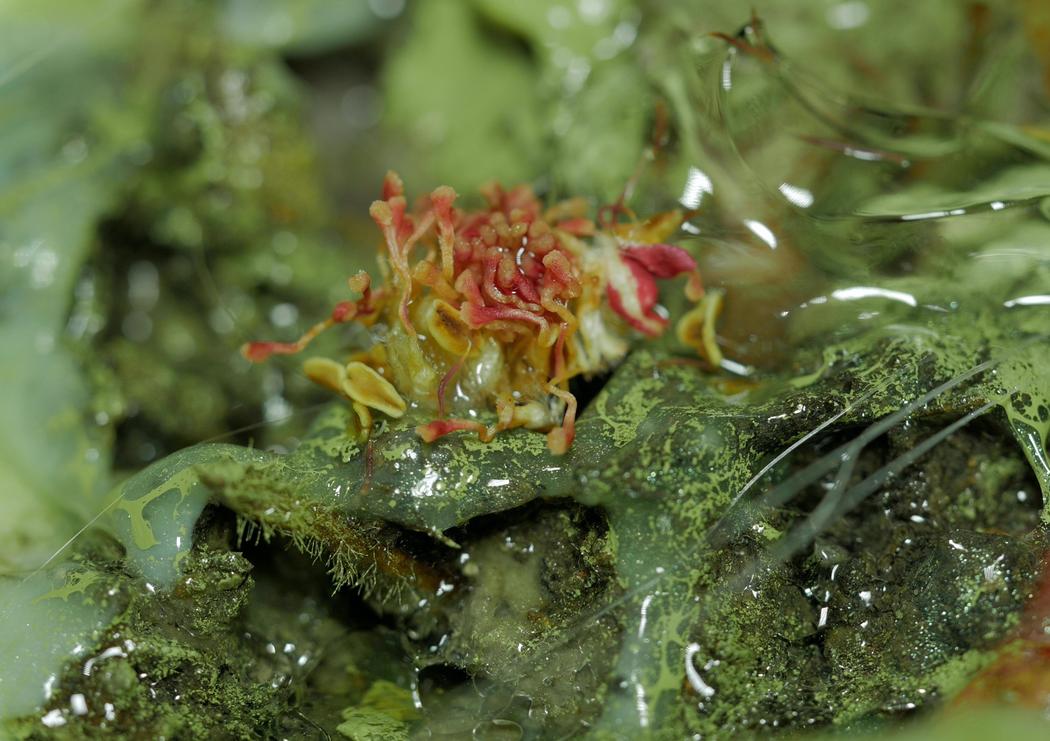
(393, 478)
(660, 578)
(382, 714)
(77, 582)
(154, 512)
(644, 512)
(215, 654)
(676, 475)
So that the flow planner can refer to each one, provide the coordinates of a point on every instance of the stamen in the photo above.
(441, 199)
(446, 379)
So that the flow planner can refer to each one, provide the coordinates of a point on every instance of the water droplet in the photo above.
(498, 730)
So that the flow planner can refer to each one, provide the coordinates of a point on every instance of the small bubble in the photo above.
(498, 730)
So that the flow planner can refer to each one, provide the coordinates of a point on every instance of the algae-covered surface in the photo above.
(838, 530)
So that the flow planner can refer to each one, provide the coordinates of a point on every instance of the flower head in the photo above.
(495, 309)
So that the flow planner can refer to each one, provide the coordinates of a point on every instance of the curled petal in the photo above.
(560, 269)
(478, 316)
(632, 286)
(526, 288)
(632, 294)
(697, 327)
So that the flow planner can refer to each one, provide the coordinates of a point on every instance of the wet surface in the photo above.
(839, 528)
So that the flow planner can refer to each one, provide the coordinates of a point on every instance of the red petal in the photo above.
(662, 260)
(526, 289)
(478, 316)
(646, 291)
(559, 268)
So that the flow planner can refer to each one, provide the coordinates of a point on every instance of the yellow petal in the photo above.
(448, 329)
(697, 328)
(365, 385)
(327, 373)
(654, 230)
(364, 421)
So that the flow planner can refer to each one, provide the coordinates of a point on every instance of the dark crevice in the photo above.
(591, 518)
(437, 680)
(278, 565)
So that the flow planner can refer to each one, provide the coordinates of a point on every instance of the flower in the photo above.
(495, 310)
